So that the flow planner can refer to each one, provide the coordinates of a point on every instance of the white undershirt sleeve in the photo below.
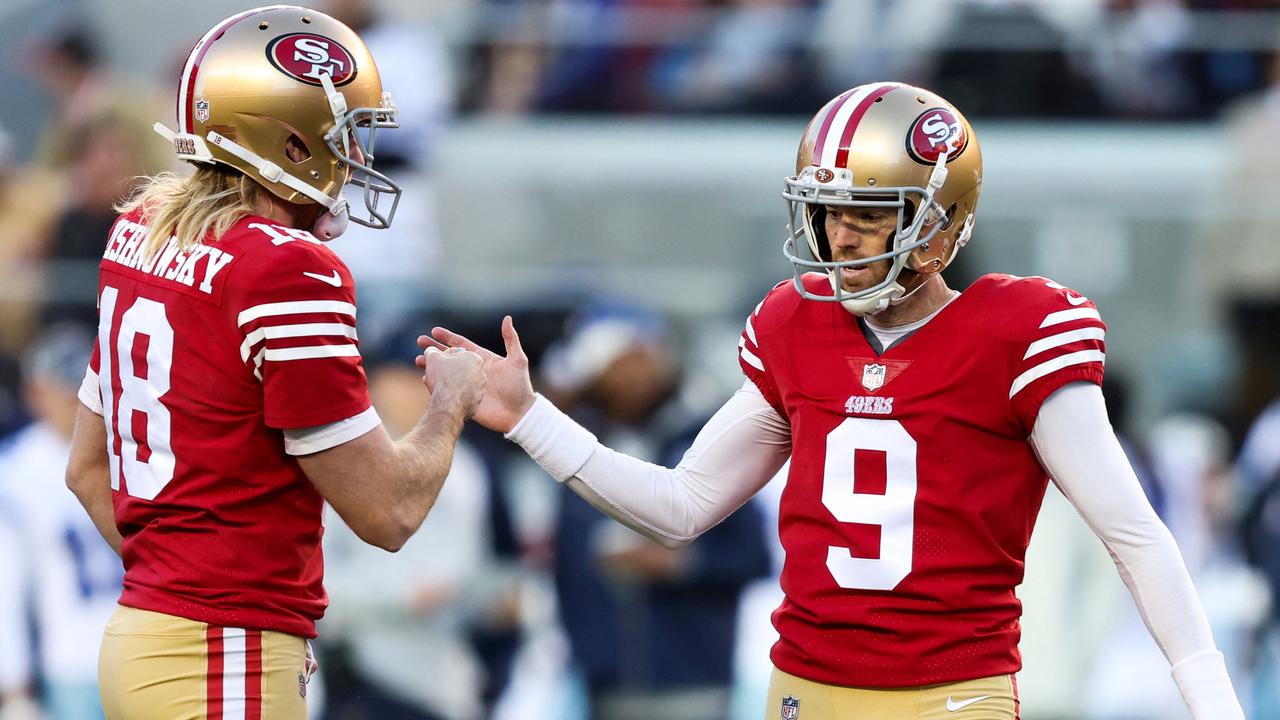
(89, 393)
(1078, 448)
(736, 453)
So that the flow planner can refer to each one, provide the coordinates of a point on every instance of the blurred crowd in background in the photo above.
(517, 600)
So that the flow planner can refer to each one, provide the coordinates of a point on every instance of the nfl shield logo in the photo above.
(790, 708)
(202, 110)
(873, 376)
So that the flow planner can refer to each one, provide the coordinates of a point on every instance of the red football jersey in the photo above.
(203, 357)
(913, 489)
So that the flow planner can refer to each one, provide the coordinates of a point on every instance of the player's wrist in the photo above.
(557, 443)
(518, 411)
(450, 402)
(1206, 687)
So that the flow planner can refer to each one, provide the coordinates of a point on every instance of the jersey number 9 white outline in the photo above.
(894, 511)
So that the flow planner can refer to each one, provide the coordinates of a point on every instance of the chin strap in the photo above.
(328, 226)
(874, 303)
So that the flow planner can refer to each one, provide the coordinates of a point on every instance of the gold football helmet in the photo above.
(292, 98)
(885, 145)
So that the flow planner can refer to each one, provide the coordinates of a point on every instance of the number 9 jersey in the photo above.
(913, 489)
(205, 358)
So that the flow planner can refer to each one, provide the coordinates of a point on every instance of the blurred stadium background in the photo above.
(609, 172)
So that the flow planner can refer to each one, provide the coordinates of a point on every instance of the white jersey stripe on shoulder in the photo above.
(1050, 366)
(1066, 338)
(1063, 316)
(832, 145)
(233, 668)
(751, 333)
(295, 307)
(311, 351)
(752, 360)
(292, 331)
(758, 306)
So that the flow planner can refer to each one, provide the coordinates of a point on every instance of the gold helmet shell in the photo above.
(886, 145)
(292, 98)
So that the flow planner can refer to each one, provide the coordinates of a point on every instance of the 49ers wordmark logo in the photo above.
(307, 57)
(935, 130)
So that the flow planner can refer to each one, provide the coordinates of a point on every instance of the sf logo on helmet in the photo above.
(307, 57)
(934, 131)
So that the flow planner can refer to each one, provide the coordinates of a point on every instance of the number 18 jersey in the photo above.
(203, 357)
(913, 489)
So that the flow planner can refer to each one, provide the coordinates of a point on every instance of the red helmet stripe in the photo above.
(186, 89)
(846, 138)
(835, 106)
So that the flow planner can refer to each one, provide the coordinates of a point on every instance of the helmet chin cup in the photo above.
(331, 224)
(869, 304)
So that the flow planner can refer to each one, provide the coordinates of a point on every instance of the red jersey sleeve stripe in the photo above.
(1066, 338)
(1048, 367)
(1064, 316)
(295, 307)
(750, 358)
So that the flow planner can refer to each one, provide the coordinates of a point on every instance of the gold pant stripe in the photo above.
(794, 698)
(160, 667)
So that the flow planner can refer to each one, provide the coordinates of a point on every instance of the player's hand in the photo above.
(453, 375)
(508, 392)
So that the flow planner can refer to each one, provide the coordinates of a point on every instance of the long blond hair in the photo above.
(192, 208)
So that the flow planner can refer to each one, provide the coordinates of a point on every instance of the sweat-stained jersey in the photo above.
(913, 489)
(202, 359)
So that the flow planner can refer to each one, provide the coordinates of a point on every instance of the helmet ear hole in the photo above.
(296, 149)
(948, 218)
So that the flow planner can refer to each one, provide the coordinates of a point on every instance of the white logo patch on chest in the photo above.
(868, 405)
(873, 376)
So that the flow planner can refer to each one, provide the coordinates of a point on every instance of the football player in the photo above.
(923, 425)
(225, 401)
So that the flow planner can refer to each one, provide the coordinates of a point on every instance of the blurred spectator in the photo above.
(857, 42)
(389, 265)
(751, 60)
(17, 701)
(67, 60)
(99, 176)
(68, 65)
(1261, 536)
(651, 630)
(73, 579)
(1033, 77)
(1138, 61)
(395, 637)
(1190, 454)
(1238, 285)
(27, 212)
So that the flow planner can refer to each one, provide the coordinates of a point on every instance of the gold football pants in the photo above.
(793, 698)
(160, 667)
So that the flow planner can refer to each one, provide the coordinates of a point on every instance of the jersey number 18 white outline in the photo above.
(894, 511)
(139, 394)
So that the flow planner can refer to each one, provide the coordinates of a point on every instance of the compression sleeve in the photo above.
(735, 454)
(1079, 450)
